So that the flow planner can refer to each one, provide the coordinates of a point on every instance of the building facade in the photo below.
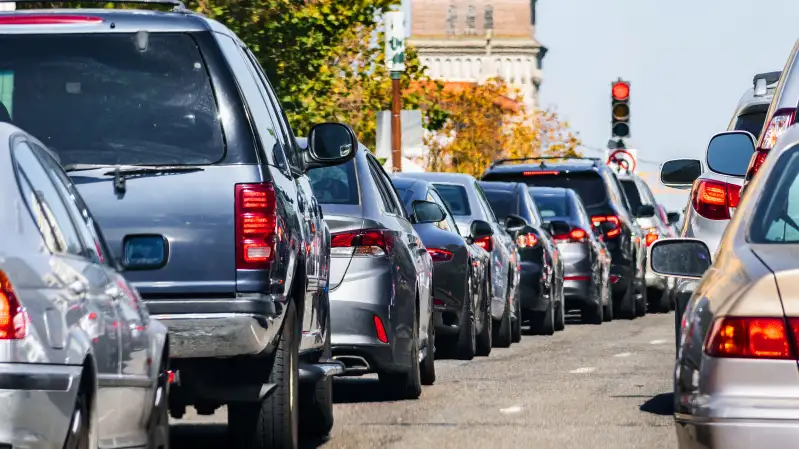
(473, 40)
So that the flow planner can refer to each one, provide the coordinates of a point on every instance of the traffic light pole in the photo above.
(396, 122)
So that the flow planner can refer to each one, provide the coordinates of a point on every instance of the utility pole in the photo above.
(395, 62)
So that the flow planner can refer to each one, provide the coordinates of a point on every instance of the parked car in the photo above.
(468, 204)
(460, 273)
(66, 361)
(583, 253)
(195, 168)
(541, 301)
(737, 357)
(672, 218)
(604, 200)
(380, 277)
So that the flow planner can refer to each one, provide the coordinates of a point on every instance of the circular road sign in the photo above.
(623, 158)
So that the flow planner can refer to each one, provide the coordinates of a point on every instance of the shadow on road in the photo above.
(215, 436)
(359, 390)
(662, 404)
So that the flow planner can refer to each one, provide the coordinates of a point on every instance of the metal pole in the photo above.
(396, 122)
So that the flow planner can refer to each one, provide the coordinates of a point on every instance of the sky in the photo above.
(688, 62)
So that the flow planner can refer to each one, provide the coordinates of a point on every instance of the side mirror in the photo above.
(427, 212)
(514, 222)
(728, 153)
(673, 217)
(558, 227)
(645, 211)
(144, 252)
(480, 228)
(680, 173)
(330, 144)
(683, 258)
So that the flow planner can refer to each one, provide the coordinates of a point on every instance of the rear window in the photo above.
(336, 184)
(633, 195)
(551, 204)
(502, 203)
(405, 196)
(99, 99)
(588, 184)
(752, 122)
(455, 197)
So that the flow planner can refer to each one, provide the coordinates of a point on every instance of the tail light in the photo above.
(528, 240)
(651, 236)
(380, 330)
(487, 243)
(48, 19)
(576, 235)
(362, 243)
(780, 122)
(614, 278)
(713, 199)
(764, 338)
(256, 225)
(754, 164)
(597, 220)
(439, 255)
(13, 322)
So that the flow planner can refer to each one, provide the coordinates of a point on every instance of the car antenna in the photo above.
(119, 182)
(542, 165)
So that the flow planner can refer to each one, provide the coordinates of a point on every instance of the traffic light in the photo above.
(620, 108)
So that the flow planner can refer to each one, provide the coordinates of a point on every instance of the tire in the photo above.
(428, 366)
(466, 347)
(502, 331)
(516, 325)
(607, 309)
(660, 301)
(273, 423)
(593, 314)
(626, 305)
(560, 316)
(78, 433)
(543, 323)
(406, 385)
(316, 404)
(641, 302)
(485, 336)
(158, 425)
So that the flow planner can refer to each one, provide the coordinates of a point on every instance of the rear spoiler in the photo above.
(761, 81)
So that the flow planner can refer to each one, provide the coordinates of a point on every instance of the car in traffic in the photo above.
(603, 198)
(194, 175)
(586, 262)
(541, 303)
(736, 370)
(461, 302)
(381, 284)
(67, 360)
(470, 207)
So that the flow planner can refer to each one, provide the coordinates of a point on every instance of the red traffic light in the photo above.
(621, 90)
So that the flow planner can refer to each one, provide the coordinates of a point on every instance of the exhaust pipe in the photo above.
(353, 364)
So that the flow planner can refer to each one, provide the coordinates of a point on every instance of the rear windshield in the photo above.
(551, 205)
(633, 195)
(752, 122)
(99, 99)
(588, 184)
(405, 196)
(336, 184)
(502, 203)
(455, 197)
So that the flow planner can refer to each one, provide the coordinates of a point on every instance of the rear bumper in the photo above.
(578, 292)
(737, 434)
(37, 404)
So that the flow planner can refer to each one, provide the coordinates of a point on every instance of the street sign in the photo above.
(395, 41)
(622, 160)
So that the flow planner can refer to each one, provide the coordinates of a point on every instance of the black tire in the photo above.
(486, 333)
(560, 316)
(625, 308)
(406, 385)
(158, 425)
(659, 300)
(428, 367)
(607, 310)
(543, 323)
(641, 302)
(80, 437)
(593, 314)
(516, 324)
(502, 331)
(466, 347)
(316, 404)
(273, 423)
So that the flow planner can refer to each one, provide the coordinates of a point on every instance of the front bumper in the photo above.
(38, 401)
(737, 434)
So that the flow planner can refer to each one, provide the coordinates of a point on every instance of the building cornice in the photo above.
(477, 42)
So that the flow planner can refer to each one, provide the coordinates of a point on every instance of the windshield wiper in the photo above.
(83, 167)
(152, 169)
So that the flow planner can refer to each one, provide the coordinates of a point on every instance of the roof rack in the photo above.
(177, 4)
(770, 77)
(544, 158)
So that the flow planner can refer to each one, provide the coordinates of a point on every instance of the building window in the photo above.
(471, 20)
(452, 20)
(488, 18)
(532, 12)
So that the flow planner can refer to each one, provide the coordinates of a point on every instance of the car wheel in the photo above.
(466, 348)
(502, 330)
(78, 433)
(485, 336)
(406, 385)
(641, 302)
(316, 404)
(543, 323)
(158, 426)
(273, 423)
(626, 305)
(607, 309)
(593, 314)
(516, 324)
(560, 315)
(428, 366)
(660, 301)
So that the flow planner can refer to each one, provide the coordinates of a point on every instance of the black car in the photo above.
(541, 285)
(604, 200)
(580, 244)
(460, 275)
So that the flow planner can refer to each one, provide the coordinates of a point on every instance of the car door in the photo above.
(87, 280)
(502, 249)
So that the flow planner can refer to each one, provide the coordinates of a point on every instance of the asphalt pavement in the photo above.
(597, 387)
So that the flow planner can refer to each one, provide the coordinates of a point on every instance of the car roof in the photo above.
(453, 178)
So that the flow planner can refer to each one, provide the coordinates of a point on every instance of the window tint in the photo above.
(336, 184)
(633, 196)
(527, 200)
(388, 204)
(46, 205)
(502, 203)
(483, 201)
(752, 122)
(440, 201)
(406, 195)
(124, 105)
(777, 215)
(587, 184)
(551, 205)
(455, 197)
(388, 186)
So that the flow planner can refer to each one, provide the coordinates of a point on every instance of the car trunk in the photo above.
(341, 218)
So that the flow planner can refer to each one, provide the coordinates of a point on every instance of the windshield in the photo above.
(502, 203)
(99, 99)
(455, 197)
(335, 184)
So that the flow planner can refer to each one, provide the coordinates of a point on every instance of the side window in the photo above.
(46, 205)
(481, 198)
(385, 202)
(449, 220)
(648, 195)
(392, 192)
(533, 208)
(386, 190)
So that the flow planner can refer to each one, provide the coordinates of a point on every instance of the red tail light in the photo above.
(380, 330)
(614, 278)
(487, 243)
(765, 338)
(48, 19)
(439, 255)
(528, 240)
(651, 236)
(576, 235)
(754, 164)
(712, 199)
(13, 322)
(256, 226)
(597, 220)
(780, 122)
(362, 243)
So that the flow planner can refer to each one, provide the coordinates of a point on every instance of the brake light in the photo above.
(439, 255)
(738, 337)
(576, 235)
(712, 199)
(487, 243)
(13, 322)
(651, 236)
(780, 122)
(528, 240)
(362, 243)
(49, 19)
(380, 330)
(256, 225)
(597, 220)
(754, 164)
(541, 172)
